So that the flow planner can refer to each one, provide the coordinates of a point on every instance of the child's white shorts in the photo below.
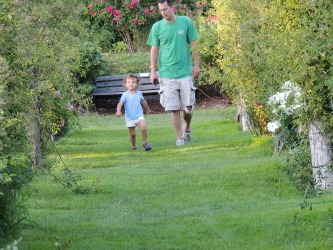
(133, 122)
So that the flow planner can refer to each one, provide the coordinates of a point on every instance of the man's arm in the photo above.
(153, 63)
(195, 55)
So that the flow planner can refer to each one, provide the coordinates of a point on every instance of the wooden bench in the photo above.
(113, 85)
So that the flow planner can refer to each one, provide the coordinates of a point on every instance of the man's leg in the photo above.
(187, 118)
(176, 123)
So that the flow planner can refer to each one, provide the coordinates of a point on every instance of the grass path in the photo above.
(223, 190)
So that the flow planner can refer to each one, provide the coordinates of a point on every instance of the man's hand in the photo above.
(153, 78)
(195, 72)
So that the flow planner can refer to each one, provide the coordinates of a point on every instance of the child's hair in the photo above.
(132, 76)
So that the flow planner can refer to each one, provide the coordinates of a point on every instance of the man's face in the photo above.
(166, 11)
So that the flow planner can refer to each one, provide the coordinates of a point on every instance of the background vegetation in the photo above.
(50, 54)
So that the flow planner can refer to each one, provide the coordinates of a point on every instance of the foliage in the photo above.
(265, 43)
(44, 67)
(209, 54)
(131, 17)
(91, 64)
(120, 47)
(124, 63)
(283, 107)
(298, 165)
(122, 16)
(15, 162)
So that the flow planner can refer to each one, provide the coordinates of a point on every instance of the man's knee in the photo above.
(188, 110)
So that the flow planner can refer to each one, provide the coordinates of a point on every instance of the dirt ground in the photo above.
(206, 98)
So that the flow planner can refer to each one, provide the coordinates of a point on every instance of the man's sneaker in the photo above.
(180, 142)
(147, 146)
(187, 135)
(134, 148)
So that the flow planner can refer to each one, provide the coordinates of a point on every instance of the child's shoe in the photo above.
(147, 146)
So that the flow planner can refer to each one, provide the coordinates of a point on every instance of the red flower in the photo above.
(90, 6)
(146, 11)
(109, 9)
(92, 12)
(116, 13)
(174, 8)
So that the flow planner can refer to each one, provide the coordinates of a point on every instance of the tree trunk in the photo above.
(243, 117)
(126, 34)
(35, 136)
(321, 155)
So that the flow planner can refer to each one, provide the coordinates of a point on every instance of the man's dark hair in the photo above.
(168, 1)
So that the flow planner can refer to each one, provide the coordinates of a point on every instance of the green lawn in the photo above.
(223, 190)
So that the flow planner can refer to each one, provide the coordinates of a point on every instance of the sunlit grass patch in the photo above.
(222, 190)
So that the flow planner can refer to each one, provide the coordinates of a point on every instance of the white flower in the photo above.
(288, 85)
(278, 98)
(275, 111)
(289, 111)
(273, 126)
(297, 95)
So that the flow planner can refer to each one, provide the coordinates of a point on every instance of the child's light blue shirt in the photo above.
(132, 104)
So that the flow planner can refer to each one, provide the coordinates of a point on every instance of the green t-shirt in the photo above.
(173, 40)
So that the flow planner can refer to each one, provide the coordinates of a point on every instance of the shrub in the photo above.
(119, 47)
(209, 55)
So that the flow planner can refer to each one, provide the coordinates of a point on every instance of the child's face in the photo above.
(131, 84)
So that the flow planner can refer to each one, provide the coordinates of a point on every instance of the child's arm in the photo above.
(145, 106)
(119, 106)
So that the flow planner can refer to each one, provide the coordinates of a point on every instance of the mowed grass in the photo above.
(223, 190)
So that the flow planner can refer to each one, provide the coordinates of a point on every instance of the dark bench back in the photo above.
(113, 85)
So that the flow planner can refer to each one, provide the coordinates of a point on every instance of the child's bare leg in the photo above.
(143, 128)
(132, 136)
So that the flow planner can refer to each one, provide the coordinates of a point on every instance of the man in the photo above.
(172, 41)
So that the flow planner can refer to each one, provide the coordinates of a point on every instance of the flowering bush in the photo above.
(284, 106)
(287, 101)
(119, 12)
(192, 10)
(128, 15)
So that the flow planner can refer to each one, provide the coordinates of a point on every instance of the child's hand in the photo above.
(148, 111)
(119, 114)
